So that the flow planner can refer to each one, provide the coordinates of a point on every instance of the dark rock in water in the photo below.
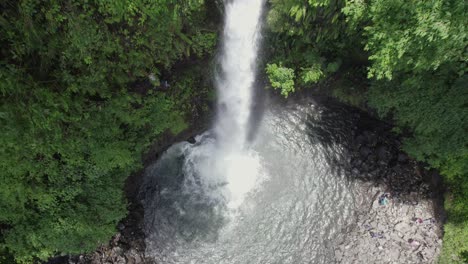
(371, 138)
(356, 162)
(397, 169)
(360, 140)
(58, 260)
(364, 167)
(372, 158)
(383, 163)
(365, 151)
(191, 140)
(383, 154)
(355, 172)
(374, 173)
(403, 158)
(132, 257)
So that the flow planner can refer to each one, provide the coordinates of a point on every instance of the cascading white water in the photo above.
(238, 62)
(224, 169)
(241, 39)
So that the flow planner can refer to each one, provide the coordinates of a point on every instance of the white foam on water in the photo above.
(221, 177)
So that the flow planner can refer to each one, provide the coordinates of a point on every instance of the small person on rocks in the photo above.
(383, 199)
(417, 220)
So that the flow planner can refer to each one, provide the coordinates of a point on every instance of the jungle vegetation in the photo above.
(76, 112)
(413, 59)
(87, 85)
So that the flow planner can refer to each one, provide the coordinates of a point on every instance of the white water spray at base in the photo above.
(220, 180)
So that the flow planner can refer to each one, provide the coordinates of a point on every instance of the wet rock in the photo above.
(365, 167)
(355, 172)
(119, 260)
(133, 257)
(397, 169)
(116, 251)
(360, 140)
(394, 222)
(116, 239)
(365, 152)
(402, 158)
(371, 139)
(383, 154)
(357, 162)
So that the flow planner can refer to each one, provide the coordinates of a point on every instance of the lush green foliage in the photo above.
(438, 132)
(308, 37)
(74, 122)
(416, 36)
(421, 47)
(281, 78)
(455, 244)
(416, 58)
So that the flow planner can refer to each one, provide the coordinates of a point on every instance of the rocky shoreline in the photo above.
(400, 209)
(399, 231)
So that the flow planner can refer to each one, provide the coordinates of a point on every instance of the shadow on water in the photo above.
(371, 152)
(258, 109)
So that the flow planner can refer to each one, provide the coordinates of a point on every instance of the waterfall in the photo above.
(238, 62)
(241, 39)
(222, 168)
(204, 184)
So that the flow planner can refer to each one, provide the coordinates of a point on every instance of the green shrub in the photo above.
(281, 78)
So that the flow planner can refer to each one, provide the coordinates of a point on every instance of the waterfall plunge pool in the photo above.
(300, 194)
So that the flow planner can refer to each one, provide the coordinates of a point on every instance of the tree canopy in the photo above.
(73, 122)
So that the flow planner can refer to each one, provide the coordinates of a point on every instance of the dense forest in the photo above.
(87, 85)
(77, 114)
